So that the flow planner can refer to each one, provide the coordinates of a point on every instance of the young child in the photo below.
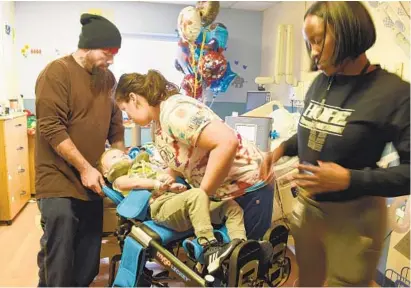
(174, 207)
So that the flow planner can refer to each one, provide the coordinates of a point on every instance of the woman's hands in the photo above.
(266, 169)
(327, 177)
(166, 183)
(166, 178)
(177, 187)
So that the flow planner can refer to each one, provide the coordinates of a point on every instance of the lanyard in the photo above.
(316, 140)
(357, 82)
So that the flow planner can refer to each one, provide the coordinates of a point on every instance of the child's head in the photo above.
(137, 94)
(113, 164)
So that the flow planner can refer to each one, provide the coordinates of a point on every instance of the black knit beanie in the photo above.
(98, 33)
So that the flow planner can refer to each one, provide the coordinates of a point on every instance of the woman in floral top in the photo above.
(198, 146)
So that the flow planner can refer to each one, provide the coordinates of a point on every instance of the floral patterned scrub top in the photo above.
(182, 119)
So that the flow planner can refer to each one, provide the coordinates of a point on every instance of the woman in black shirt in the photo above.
(352, 110)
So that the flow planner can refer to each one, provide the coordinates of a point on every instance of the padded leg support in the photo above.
(195, 250)
(131, 265)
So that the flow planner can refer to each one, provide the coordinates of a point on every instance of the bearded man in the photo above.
(75, 116)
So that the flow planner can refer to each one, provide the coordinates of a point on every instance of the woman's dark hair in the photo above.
(153, 86)
(353, 28)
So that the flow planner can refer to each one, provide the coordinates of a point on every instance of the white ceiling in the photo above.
(243, 5)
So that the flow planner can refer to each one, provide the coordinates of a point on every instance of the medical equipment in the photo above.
(256, 99)
(284, 122)
(255, 129)
(142, 240)
(284, 196)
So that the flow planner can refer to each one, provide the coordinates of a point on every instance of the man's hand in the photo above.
(92, 179)
(327, 177)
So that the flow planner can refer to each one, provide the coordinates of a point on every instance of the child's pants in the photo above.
(339, 243)
(193, 209)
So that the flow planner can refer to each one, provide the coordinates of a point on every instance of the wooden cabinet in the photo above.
(14, 166)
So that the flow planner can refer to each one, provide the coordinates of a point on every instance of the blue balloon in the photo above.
(216, 37)
(199, 39)
(221, 85)
(219, 33)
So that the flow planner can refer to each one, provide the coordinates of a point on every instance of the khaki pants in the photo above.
(193, 209)
(339, 243)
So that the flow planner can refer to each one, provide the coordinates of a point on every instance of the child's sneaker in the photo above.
(215, 253)
(196, 251)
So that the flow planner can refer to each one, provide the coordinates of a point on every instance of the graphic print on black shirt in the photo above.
(325, 119)
(357, 124)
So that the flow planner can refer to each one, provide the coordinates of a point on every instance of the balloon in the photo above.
(212, 66)
(188, 85)
(216, 37)
(178, 67)
(185, 58)
(210, 45)
(184, 47)
(189, 24)
(218, 32)
(208, 11)
(221, 85)
(181, 62)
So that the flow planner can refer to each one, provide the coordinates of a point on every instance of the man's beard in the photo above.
(102, 81)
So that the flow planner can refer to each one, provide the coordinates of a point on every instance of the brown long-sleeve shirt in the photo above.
(67, 108)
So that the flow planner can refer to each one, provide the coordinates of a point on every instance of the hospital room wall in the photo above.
(61, 30)
(8, 84)
(385, 51)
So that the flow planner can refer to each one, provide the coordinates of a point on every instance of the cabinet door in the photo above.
(24, 191)
(14, 186)
(16, 144)
(17, 163)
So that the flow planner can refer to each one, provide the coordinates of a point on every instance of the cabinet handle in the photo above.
(20, 148)
(18, 125)
(23, 193)
(21, 170)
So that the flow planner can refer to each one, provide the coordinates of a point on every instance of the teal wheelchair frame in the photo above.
(142, 240)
